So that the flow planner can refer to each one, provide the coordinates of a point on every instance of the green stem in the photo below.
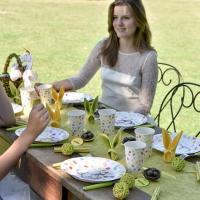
(98, 185)
(14, 128)
(81, 150)
(57, 149)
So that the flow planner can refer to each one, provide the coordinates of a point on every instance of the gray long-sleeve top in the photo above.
(128, 86)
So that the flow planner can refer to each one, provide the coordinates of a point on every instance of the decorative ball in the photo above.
(129, 179)
(67, 149)
(120, 190)
(178, 164)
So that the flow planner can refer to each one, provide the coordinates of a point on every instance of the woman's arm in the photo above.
(38, 120)
(7, 117)
(86, 73)
(149, 83)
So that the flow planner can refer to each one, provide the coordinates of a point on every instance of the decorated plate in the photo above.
(186, 145)
(93, 169)
(129, 119)
(17, 108)
(49, 134)
(75, 97)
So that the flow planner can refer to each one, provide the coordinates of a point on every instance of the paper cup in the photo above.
(145, 135)
(45, 93)
(28, 98)
(134, 153)
(76, 121)
(107, 121)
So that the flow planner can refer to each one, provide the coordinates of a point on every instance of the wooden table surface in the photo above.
(36, 169)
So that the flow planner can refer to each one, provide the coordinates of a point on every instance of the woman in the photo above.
(127, 60)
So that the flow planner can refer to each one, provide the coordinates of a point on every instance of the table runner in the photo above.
(182, 187)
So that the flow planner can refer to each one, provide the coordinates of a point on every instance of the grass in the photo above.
(61, 33)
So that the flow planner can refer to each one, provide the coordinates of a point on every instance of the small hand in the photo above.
(38, 120)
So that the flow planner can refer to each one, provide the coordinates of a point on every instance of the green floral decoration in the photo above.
(178, 164)
(120, 190)
(68, 149)
(15, 92)
(112, 143)
(90, 108)
(129, 179)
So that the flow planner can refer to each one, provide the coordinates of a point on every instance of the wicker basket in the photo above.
(5, 77)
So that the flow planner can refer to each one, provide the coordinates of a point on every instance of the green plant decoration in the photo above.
(15, 93)
(90, 108)
(112, 143)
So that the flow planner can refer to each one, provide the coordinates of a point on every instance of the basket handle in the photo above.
(9, 58)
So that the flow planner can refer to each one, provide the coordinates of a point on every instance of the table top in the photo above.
(45, 157)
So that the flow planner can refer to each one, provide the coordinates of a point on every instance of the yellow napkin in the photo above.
(54, 112)
(170, 145)
(57, 97)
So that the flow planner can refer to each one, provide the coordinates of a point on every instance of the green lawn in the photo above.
(61, 33)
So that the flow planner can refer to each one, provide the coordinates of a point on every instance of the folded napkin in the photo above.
(57, 97)
(54, 112)
(170, 145)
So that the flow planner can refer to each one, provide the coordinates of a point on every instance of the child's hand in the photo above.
(38, 120)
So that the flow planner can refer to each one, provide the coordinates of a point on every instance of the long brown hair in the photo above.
(142, 35)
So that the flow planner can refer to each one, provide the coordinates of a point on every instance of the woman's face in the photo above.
(124, 22)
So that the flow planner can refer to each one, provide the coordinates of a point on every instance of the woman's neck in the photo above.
(126, 46)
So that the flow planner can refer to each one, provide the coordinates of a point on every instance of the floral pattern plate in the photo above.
(75, 97)
(49, 134)
(129, 119)
(93, 169)
(186, 145)
(17, 108)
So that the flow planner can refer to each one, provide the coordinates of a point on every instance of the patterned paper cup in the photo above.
(76, 121)
(145, 135)
(107, 121)
(45, 93)
(28, 97)
(134, 153)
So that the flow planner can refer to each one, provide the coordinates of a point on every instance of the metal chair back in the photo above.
(183, 96)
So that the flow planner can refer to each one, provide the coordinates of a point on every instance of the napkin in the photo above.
(57, 97)
(54, 112)
(90, 108)
(170, 145)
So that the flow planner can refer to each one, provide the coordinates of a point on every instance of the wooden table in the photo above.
(50, 184)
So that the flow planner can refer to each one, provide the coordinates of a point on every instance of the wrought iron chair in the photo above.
(168, 74)
(184, 96)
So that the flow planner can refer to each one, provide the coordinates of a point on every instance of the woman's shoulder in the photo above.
(149, 52)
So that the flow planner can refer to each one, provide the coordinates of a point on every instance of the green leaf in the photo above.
(105, 139)
(13, 89)
(91, 118)
(117, 139)
(86, 105)
(95, 104)
(113, 154)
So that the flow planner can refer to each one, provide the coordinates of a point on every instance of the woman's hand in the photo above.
(38, 120)
(65, 83)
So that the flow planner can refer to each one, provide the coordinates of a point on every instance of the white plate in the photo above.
(17, 108)
(93, 169)
(75, 97)
(50, 134)
(186, 145)
(129, 119)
